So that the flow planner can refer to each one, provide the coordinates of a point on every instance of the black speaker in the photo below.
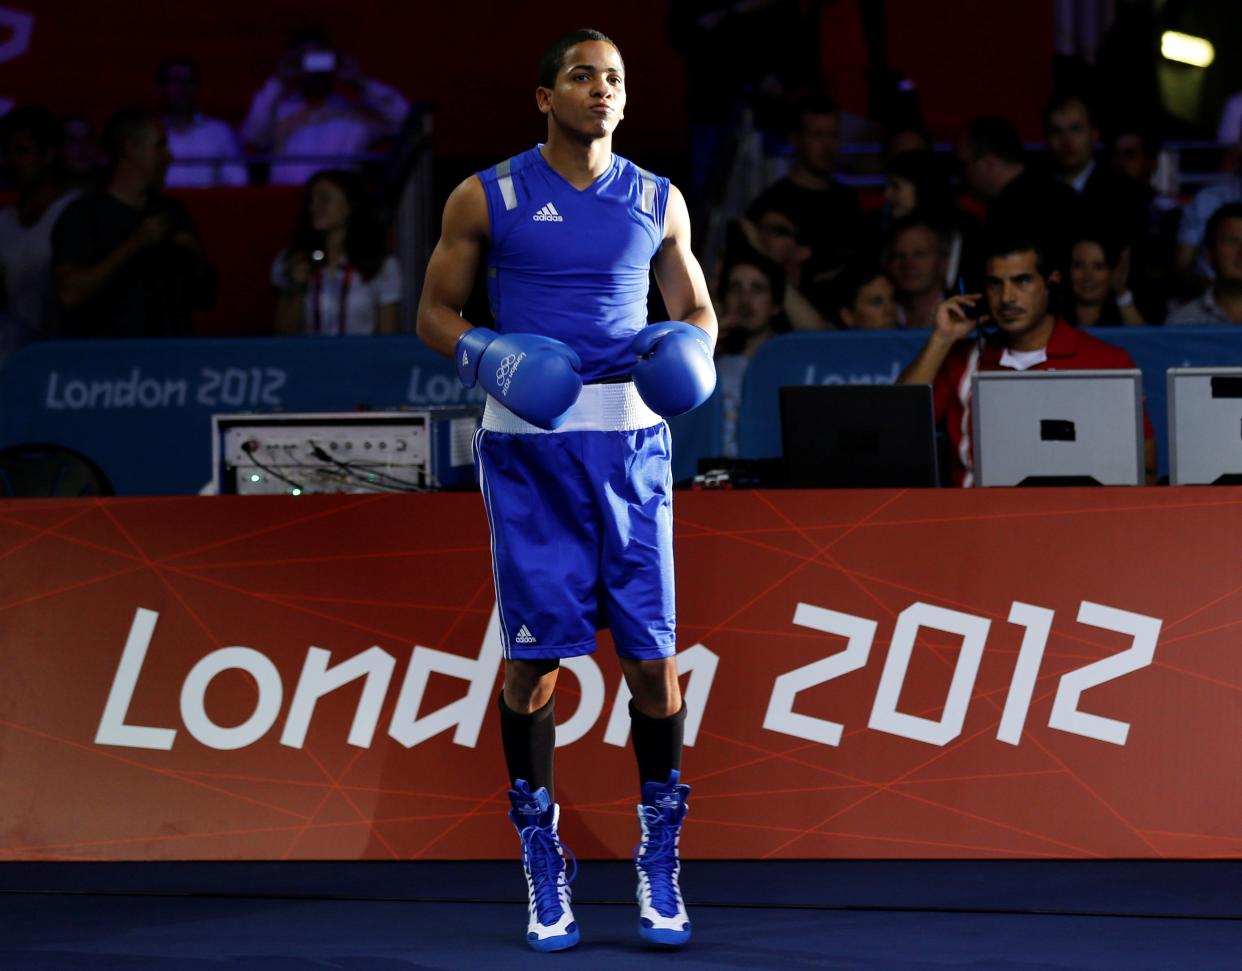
(34, 469)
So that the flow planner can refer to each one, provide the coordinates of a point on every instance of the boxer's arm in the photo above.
(677, 272)
(452, 268)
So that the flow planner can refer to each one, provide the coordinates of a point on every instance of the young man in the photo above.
(574, 464)
(1221, 303)
(210, 142)
(1107, 199)
(126, 259)
(749, 310)
(1019, 199)
(829, 209)
(917, 260)
(1029, 337)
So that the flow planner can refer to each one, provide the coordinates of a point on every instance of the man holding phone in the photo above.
(1028, 335)
(319, 105)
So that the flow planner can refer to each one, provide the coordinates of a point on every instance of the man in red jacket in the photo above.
(1029, 336)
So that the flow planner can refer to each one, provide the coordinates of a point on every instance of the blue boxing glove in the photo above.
(675, 372)
(469, 352)
(535, 377)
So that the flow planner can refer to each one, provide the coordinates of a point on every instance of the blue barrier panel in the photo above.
(696, 435)
(142, 409)
(863, 357)
(877, 357)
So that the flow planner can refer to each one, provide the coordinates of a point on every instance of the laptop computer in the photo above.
(1058, 427)
(858, 436)
(1205, 425)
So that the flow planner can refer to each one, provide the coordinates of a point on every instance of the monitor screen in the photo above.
(1058, 428)
(1205, 425)
(858, 436)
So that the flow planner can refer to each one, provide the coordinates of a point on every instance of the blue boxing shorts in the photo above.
(582, 527)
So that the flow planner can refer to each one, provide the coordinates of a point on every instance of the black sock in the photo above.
(657, 743)
(529, 742)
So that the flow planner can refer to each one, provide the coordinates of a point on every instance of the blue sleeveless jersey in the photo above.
(573, 264)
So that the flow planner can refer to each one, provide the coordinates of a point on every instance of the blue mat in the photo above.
(882, 914)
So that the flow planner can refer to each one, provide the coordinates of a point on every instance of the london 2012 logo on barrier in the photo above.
(410, 725)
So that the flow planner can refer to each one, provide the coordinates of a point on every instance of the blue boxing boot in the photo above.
(662, 915)
(551, 926)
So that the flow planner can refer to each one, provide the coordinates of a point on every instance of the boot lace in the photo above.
(541, 853)
(657, 856)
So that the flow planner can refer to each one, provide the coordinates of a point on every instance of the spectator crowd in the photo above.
(93, 246)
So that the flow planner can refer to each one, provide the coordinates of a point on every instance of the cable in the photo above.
(403, 485)
(251, 447)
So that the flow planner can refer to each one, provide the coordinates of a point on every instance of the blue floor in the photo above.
(883, 914)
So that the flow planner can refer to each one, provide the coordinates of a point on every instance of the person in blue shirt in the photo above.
(573, 455)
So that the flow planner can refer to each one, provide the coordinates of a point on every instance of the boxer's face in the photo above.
(589, 97)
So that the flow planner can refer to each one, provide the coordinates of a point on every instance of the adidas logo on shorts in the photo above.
(548, 214)
(524, 636)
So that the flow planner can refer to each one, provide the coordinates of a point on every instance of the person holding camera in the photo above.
(1014, 327)
(336, 277)
(127, 260)
(319, 109)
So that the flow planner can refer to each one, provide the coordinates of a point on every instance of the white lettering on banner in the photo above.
(236, 386)
(591, 703)
(231, 387)
(440, 389)
(194, 695)
(410, 726)
(699, 664)
(859, 634)
(467, 712)
(813, 376)
(374, 665)
(1065, 715)
(1038, 623)
(113, 729)
(884, 714)
(132, 392)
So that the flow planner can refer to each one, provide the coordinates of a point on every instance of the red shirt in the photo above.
(1068, 349)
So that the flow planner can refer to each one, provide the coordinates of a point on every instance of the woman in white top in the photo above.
(336, 277)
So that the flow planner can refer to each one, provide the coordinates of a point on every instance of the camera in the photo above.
(319, 62)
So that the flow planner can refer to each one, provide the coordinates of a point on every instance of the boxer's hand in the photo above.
(674, 372)
(535, 377)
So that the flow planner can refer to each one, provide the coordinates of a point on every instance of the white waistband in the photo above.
(600, 408)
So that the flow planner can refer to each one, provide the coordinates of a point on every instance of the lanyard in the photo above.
(346, 279)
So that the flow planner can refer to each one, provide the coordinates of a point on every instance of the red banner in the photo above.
(1007, 673)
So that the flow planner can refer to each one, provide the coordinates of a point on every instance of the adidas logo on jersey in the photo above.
(524, 636)
(548, 214)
